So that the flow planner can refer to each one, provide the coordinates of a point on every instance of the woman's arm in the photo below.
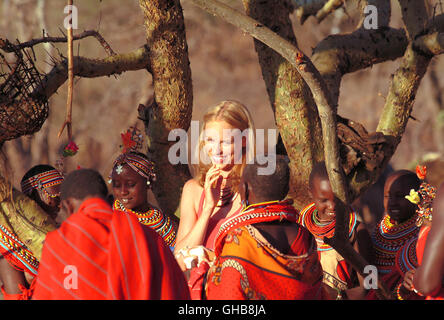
(11, 277)
(363, 245)
(192, 229)
(428, 277)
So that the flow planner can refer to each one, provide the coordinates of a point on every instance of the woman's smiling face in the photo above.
(396, 205)
(220, 144)
(130, 188)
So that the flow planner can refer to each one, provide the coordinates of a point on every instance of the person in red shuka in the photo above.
(99, 254)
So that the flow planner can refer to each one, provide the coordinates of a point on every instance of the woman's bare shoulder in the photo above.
(191, 186)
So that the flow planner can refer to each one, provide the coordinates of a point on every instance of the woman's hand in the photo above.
(212, 189)
(408, 279)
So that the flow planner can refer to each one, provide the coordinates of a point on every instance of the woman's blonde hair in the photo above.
(236, 115)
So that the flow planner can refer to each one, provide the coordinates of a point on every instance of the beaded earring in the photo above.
(423, 198)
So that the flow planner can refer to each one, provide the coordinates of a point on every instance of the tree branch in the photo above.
(338, 55)
(92, 68)
(430, 44)
(290, 98)
(8, 46)
(306, 8)
(329, 7)
(415, 16)
(403, 87)
(68, 118)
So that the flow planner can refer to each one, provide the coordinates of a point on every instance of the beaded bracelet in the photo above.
(416, 291)
(398, 293)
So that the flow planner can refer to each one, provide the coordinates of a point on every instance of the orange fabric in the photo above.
(26, 293)
(97, 254)
(420, 246)
(248, 267)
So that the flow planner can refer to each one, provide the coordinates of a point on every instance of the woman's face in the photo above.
(324, 198)
(49, 200)
(222, 144)
(130, 188)
(395, 204)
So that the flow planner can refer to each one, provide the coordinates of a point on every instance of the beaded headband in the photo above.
(41, 181)
(131, 143)
(139, 164)
(423, 197)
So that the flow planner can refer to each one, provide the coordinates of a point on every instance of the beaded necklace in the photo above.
(388, 238)
(51, 195)
(226, 196)
(308, 218)
(406, 258)
(16, 251)
(156, 220)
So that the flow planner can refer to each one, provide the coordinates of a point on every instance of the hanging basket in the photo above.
(22, 112)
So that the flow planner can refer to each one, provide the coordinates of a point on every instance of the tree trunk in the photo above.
(172, 105)
(291, 100)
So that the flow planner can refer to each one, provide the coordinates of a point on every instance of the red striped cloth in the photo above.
(97, 254)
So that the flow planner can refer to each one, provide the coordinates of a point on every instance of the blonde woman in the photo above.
(226, 145)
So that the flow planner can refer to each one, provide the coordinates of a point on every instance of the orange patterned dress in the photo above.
(248, 267)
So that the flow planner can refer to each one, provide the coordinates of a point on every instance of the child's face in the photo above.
(395, 204)
(324, 198)
(129, 188)
(221, 144)
(50, 200)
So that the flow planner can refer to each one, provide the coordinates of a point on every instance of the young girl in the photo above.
(398, 225)
(213, 194)
(131, 177)
(23, 227)
(428, 275)
(42, 184)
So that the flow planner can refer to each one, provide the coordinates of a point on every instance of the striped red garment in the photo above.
(97, 254)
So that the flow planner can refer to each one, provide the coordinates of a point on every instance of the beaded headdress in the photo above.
(423, 198)
(41, 181)
(131, 143)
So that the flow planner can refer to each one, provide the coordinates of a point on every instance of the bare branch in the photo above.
(91, 68)
(338, 55)
(68, 119)
(8, 46)
(436, 23)
(430, 44)
(328, 8)
(415, 16)
(306, 8)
